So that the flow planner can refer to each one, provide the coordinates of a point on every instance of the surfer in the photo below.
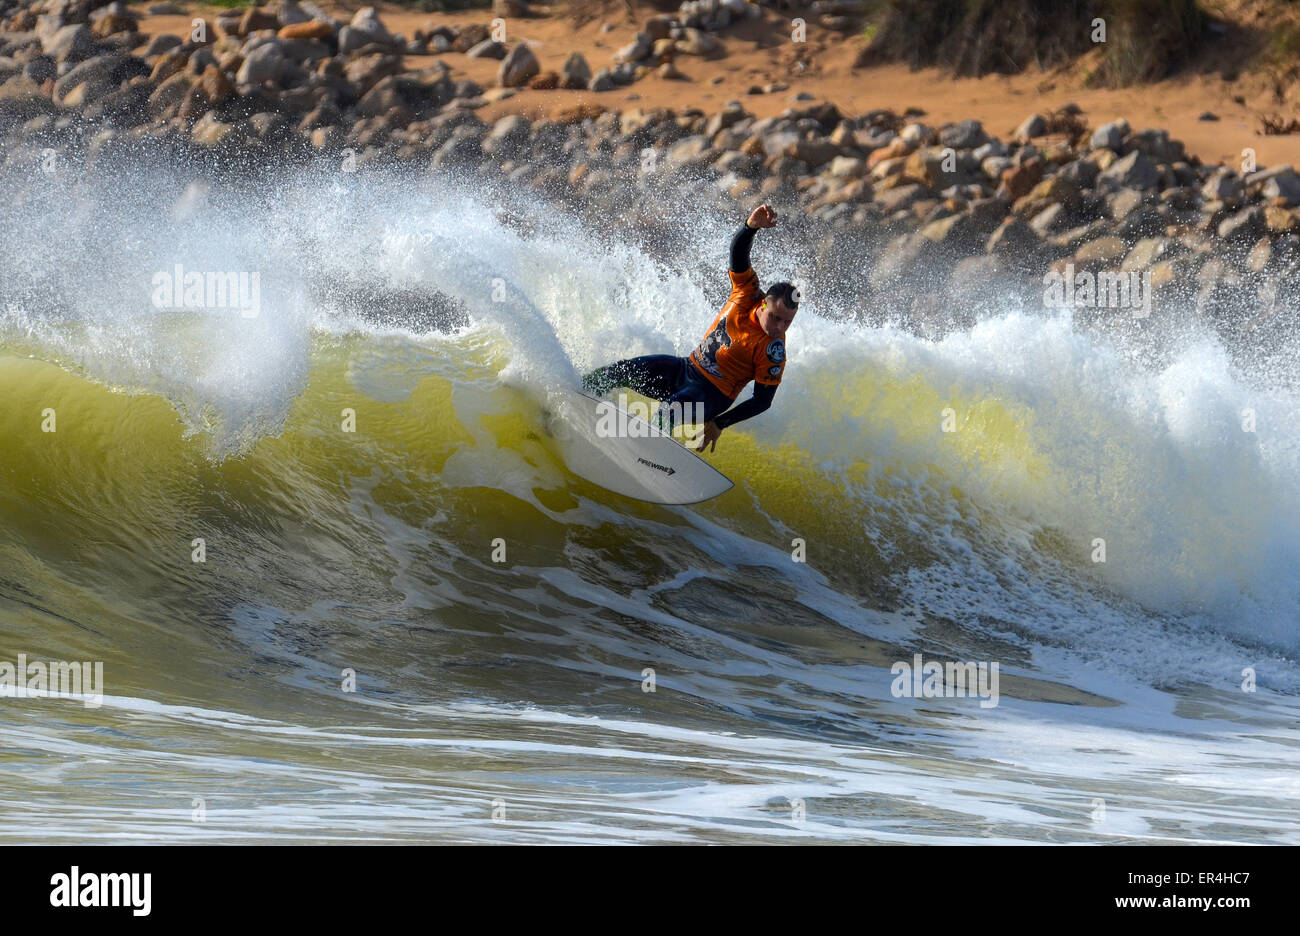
(745, 342)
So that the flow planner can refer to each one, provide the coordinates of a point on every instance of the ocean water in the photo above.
(426, 629)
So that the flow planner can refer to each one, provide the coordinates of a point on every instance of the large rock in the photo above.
(312, 29)
(393, 96)
(576, 73)
(1099, 252)
(1156, 145)
(23, 98)
(508, 137)
(696, 42)
(1246, 224)
(815, 151)
(518, 67)
(365, 29)
(462, 149)
(70, 43)
(1015, 240)
(926, 166)
(1285, 185)
(510, 8)
(1051, 190)
(289, 13)
(265, 63)
(98, 71)
(167, 97)
(636, 50)
(216, 87)
(163, 42)
(1110, 136)
(1223, 185)
(966, 134)
(113, 23)
(1133, 171)
(1280, 220)
(1019, 181)
(304, 50)
(469, 36)
(1050, 220)
(211, 131)
(1035, 125)
(368, 70)
(255, 20)
(1081, 172)
(842, 167)
(1147, 252)
(1124, 202)
(488, 48)
(901, 197)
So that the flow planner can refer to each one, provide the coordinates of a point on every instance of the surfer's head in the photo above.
(776, 312)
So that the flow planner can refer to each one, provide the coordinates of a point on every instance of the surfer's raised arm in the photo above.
(761, 217)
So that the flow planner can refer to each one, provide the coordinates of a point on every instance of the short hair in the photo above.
(786, 293)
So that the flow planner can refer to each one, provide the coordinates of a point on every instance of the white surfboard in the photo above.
(625, 454)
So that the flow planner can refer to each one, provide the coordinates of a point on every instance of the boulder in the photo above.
(1147, 252)
(264, 63)
(1019, 181)
(312, 29)
(518, 67)
(366, 29)
(1285, 185)
(576, 73)
(508, 137)
(1223, 185)
(1035, 125)
(70, 43)
(216, 87)
(488, 48)
(1109, 136)
(163, 42)
(1246, 224)
(1133, 171)
(470, 36)
(256, 19)
(966, 134)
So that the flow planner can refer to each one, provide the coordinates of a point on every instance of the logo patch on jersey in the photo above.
(776, 351)
(773, 371)
(707, 352)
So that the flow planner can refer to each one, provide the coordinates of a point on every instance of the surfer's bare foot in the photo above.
(709, 437)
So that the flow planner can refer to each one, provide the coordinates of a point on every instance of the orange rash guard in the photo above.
(736, 350)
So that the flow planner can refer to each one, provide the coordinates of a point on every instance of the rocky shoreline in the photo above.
(918, 224)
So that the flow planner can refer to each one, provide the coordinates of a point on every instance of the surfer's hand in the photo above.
(762, 217)
(709, 436)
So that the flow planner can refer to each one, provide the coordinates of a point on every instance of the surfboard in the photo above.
(621, 452)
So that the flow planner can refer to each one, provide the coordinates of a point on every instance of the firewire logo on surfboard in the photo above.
(665, 468)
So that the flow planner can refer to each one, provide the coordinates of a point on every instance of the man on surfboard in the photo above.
(745, 342)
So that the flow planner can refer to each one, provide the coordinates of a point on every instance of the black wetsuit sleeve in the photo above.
(740, 244)
(758, 403)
